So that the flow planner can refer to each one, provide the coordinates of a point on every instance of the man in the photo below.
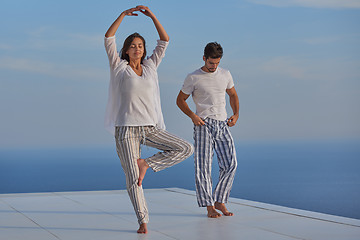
(208, 86)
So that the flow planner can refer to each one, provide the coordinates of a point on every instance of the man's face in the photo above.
(211, 64)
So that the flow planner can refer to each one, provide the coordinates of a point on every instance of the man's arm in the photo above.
(234, 103)
(181, 103)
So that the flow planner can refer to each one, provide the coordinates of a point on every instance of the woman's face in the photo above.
(136, 49)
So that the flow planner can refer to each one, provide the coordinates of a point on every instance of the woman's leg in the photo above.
(174, 149)
(128, 149)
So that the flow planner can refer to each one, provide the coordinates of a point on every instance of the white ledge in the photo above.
(174, 214)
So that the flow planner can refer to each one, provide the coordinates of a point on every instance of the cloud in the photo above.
(343, 39)
(44, 48)
(310, 3)
(52, 69)
(4, 46)
(322, 40)
(298, 68)
(309, 69)
(284, 66)
(49, 40)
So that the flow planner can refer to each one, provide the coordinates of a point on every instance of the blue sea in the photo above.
(317, 176)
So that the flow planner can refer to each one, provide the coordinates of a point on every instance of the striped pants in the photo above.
(128, 140)
(214, 135)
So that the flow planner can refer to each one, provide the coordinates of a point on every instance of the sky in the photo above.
(295, 64)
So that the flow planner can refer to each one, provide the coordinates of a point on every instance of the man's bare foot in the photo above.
(212, 213)
(142, 228)
(222, 208)
(143, 166)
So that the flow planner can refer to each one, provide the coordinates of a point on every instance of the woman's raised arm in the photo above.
(114, 27)
(160, 29)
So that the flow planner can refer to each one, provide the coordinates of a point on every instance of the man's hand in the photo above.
(232, 120)
(197, 120)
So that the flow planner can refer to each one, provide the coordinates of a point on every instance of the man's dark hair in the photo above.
(127, 44)
(213, 50)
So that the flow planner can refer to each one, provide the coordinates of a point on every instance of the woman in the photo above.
(134, 113)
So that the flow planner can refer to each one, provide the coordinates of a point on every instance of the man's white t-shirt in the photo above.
(209, 92)
(133, 100)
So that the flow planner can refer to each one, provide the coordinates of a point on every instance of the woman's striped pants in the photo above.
(128, 141)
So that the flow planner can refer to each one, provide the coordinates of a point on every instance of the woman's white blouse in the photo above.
(133, 100)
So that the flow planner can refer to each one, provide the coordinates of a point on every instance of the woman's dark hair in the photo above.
(127, 44)
(213, 50)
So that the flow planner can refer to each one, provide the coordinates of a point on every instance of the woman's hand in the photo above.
(130, 12)
(160, 29)
(113, 28)
(145, 10)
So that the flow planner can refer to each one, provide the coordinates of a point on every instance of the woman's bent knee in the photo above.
(188, 149)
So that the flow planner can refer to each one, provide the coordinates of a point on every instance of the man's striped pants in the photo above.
(214, 135)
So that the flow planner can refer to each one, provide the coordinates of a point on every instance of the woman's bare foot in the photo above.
(142, 228)
(143, 166)
(222, 208)
(212, 213)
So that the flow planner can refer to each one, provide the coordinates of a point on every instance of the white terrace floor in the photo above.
(105, 215)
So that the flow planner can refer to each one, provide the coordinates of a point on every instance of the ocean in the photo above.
(316, 176)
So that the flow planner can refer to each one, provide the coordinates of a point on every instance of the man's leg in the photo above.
(226, 154)
(202, 159)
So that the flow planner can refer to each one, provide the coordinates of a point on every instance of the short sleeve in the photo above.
(230, 81)
(188, 86)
